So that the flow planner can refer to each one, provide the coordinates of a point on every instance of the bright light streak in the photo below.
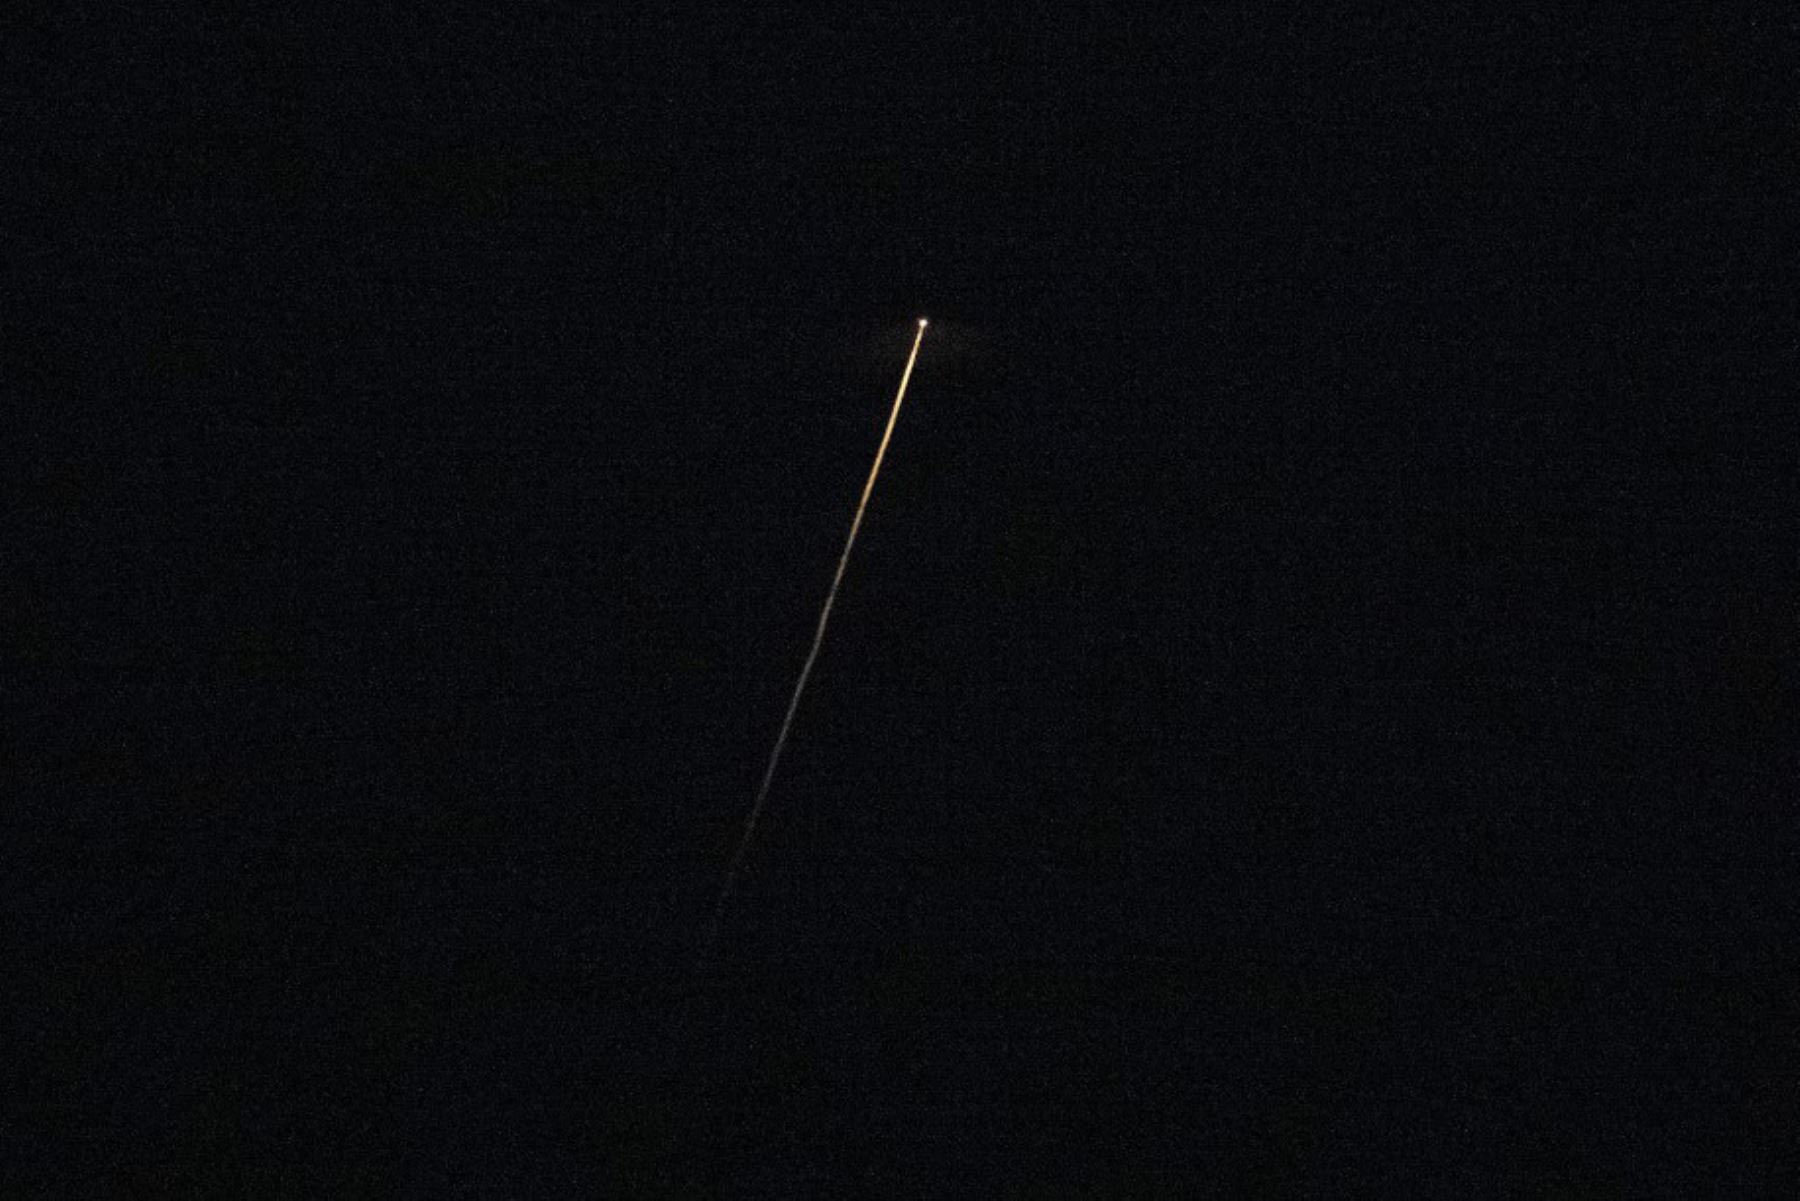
(762, 792)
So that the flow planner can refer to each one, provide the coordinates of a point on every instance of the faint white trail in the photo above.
(762, 792)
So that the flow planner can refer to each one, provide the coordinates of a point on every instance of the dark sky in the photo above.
(1301, 715)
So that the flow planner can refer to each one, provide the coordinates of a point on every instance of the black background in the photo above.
(1296, 717)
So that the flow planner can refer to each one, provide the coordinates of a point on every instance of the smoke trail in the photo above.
(762, 792)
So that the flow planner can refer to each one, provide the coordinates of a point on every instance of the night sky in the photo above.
(1302, 713)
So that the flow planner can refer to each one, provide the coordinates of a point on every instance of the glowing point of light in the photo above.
(923, 323)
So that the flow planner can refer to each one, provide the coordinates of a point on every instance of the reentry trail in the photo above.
(762, 792)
